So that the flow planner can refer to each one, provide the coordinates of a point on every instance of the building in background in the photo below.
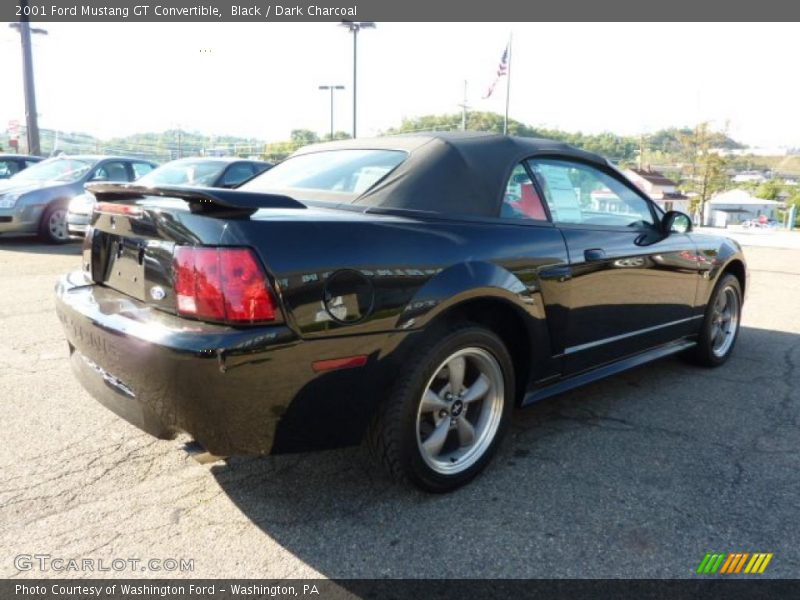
(737, 206)
(660, 188)
(750, 177)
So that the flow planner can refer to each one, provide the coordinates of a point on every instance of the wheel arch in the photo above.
(507, 321)
(489, 295)
(464, 282)
(736, 268)
(58, 200)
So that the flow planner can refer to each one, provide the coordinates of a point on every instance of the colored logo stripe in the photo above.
(734, 562)
(710, 563)
(758, 563)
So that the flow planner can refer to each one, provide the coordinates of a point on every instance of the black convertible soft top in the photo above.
(451, 173)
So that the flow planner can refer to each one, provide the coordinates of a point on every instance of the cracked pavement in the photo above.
(636, 476)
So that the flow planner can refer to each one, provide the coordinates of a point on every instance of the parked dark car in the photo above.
(35, 200)
(208, 172)
(11, 164)
(410, 290)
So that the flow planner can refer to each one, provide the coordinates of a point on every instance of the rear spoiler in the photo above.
(216, 201)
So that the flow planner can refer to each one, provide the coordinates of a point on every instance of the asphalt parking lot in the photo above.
(636, 476)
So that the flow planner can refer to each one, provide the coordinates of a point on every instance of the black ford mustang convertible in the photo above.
(409, 291)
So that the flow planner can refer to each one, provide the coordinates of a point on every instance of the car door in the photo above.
(630, 286)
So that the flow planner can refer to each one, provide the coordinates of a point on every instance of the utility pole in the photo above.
(354, 27)
(332, 88)
(31, 117)
(464, 106)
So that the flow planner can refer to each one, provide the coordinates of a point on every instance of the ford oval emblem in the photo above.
(157, 292)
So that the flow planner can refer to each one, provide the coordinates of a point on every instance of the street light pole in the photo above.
(332, 88)
(354, 27)
(355, 77)
(31, 117)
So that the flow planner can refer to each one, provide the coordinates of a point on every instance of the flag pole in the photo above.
(508, 85)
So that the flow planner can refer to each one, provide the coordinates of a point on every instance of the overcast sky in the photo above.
(261, 80)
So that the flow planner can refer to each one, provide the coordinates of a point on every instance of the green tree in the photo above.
(617, 148)
(338, 135)
(769, 190)
(303, 137)
(707, 167)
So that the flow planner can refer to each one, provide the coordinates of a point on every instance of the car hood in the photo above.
(9, 186)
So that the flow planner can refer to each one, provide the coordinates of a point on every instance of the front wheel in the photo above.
(720, 324)
(448, 411)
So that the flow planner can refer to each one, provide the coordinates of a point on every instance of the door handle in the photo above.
(594, 254)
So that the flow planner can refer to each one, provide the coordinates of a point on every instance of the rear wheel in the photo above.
(720, 324)
(53, 226)
(448, 411)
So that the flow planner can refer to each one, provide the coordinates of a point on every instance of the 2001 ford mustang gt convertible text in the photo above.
(409, 291)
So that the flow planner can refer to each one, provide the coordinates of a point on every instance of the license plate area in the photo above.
(124, 265)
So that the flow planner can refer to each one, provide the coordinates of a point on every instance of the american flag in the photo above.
(502, 70)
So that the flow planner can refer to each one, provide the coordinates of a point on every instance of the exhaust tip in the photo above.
(200, 454)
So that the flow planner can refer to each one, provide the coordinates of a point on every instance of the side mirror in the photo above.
(677, 222)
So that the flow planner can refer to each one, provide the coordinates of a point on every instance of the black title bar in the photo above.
(396, 10)
(398, 589)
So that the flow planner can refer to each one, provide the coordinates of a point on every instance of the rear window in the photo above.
(185, 172)
(350, 172)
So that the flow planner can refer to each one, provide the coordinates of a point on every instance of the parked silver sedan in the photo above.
(35, 200)
(225, 172)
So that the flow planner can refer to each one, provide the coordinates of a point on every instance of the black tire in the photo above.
(47, 232)
(394, 436)
(704, 354)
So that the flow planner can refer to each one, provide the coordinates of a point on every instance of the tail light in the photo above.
(222, 284)
(130, 210)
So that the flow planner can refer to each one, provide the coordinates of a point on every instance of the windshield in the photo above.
(346, 171)
(185, 172)
(55, 169)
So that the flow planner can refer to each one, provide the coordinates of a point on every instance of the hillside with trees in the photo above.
(697, 157)
(673, 143)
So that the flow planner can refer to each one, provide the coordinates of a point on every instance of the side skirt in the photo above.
(607, 370)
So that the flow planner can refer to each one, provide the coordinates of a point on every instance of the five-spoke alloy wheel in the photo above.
(460, 410)
(720, 323)
(449, 410)
(724, 321)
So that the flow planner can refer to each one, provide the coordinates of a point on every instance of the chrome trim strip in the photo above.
(616, 338)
